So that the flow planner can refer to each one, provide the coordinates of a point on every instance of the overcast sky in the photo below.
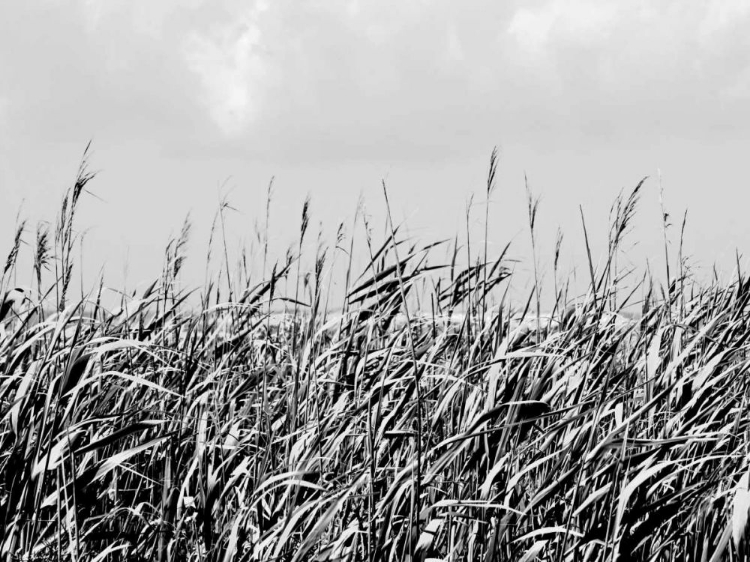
(186, 100)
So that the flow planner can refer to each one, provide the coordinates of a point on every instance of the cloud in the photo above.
(383, 79)
(624, 42)
(633, 68)
(232, 68)
(345, 79)
(101, 70)
(371, 79)
(722, 15)
(454, 51)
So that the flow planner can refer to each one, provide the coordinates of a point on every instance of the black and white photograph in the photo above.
(374, 281)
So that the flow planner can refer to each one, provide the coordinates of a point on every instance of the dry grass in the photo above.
(156, 432)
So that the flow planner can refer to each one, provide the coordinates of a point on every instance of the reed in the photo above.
(395, 429)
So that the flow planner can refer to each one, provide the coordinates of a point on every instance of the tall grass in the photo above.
(389, 432)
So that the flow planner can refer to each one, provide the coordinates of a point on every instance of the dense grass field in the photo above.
(427, 418)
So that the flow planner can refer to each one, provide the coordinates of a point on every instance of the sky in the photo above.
(187, 102)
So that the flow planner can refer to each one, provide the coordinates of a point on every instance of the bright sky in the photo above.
(186, 100)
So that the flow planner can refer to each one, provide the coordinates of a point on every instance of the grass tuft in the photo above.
(429, 419)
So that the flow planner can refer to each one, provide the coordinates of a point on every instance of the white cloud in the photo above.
(581, 21)
(739, 89)
(455, 50)
(391, 74)
(4, 113)
(723, 14)
(92, 13)
(147, 17)
(230, 63)
(636, 42)
(531, 30)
